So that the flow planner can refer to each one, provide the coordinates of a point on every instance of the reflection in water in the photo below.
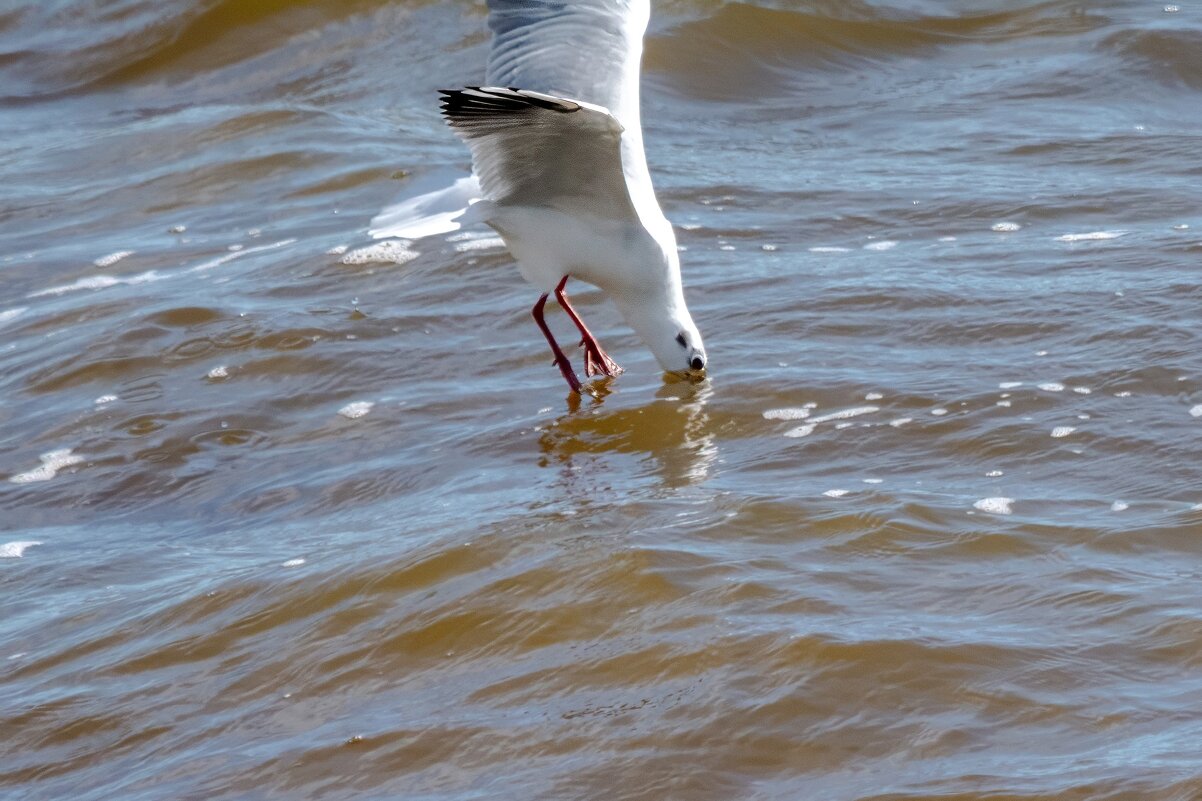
(666, 591)
(673, 434)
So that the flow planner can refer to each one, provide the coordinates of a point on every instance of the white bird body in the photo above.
(557, 151)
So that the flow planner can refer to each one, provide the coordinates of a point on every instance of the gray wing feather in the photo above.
(585, 49)
(535, 149)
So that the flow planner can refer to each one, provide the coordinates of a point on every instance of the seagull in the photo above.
(559, 172)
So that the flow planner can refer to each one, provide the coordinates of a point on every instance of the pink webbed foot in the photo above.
(596, 360)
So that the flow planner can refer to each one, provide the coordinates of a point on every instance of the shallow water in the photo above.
(273, 525)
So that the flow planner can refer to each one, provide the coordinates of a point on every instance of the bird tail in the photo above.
(434, 205)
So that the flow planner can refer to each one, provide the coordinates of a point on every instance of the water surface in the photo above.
(318, 523)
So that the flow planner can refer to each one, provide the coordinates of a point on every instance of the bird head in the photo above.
(665, 326)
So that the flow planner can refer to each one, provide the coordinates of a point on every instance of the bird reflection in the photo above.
(673, 435)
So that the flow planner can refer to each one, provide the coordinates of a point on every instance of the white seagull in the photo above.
(560, 173)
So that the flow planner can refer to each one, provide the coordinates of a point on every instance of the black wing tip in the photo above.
(494, 100)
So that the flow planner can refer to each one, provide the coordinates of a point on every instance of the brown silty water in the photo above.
(315, 519)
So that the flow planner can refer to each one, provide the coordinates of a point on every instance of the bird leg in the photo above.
(561, 361)
(595, 359)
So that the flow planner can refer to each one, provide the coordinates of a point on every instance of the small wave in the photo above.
(743, 45)
(9, 315)
(112, 258)
(15, 550)
(995, 506)
(105, 45)
(98, 282)
(52, 463)
(1092, 236)
(353, 411)
(1167, 57)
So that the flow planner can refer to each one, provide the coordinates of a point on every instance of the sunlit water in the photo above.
(286, 514)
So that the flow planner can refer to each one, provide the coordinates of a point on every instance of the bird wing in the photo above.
(535, 149)
(584, 49)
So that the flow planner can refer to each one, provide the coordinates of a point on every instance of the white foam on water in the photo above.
(821, 249)
(1004, 404)
(1010, 384)
(1041, 353)
(15, 550)
(337, 250)
(104, 400)
(487, 243)
(1196, 411)
(901, 421)
(1123, 394)
(995, 506)
(1060, 432)
(947, 239)
(939, 412)
(1119, 506)
(1005, 227)
(1082, 390)
(846, 414)
(886, 244)
(391, 251)
(1052, 386)
(800, 431)
(293, 563)
(836, 493)
(994, 474)
(873, 396)
(353, 411)
(227, 258)
(52, 462)
(797, 413)
(218, 372)
(1092, 236)
(769, 248)
(113, 258)
(1171, 9)
(841, 426)
(1083, 417)
(177, 229)
(1197, 507)
(1181, 227)
(98, 282)
(874, 481)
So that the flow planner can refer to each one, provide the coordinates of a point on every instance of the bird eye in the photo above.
(680, 340)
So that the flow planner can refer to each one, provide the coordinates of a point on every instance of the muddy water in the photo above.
(283, 518)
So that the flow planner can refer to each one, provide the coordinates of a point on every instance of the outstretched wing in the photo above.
(584, 49)
(535, 149)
